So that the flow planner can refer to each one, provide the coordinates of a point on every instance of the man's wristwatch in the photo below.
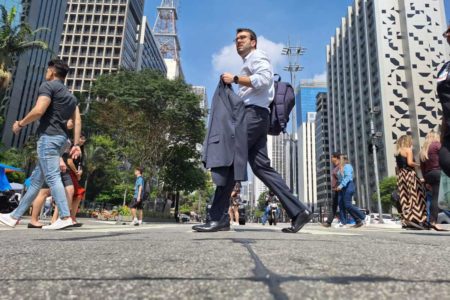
(236, 79)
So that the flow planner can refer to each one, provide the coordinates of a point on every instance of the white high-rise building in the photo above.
(307, 161)
(385, 55)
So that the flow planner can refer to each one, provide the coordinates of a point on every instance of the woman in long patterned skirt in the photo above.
(410, 188)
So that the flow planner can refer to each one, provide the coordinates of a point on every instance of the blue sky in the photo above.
(207, 27)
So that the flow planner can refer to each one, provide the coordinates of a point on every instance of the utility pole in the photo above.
(375, 135)
(293, 53)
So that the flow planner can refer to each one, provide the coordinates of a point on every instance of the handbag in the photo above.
(444, 192)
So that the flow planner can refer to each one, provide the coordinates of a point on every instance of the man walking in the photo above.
(256, 88)
(136, 204)
(335, 159)
(54, 107)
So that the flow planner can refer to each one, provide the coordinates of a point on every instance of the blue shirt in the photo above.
(139, 182)
(257, 66)
(345, 176)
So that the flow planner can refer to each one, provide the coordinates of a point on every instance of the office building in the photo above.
(29, 72)
(100, 37)
(305, 104)
(323, 161)
(149, 56)
(307, 161)
(306, 98)
(383, 58)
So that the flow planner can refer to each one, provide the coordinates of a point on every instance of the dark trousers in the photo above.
(257, 125)
(433, 178)
(345, 204)
(334, 206)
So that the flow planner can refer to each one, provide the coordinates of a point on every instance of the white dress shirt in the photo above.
(257, 66)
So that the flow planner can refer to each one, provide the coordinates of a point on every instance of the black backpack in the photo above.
(281, 106)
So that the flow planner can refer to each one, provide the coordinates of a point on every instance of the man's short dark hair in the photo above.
(251, 32)
(336, 155)
(61, 68)
(140, 169)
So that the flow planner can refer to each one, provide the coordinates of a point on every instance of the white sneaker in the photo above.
(7, 220)
(59, 224)
(140, 222)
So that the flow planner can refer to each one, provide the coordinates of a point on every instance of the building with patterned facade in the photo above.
(384, 55)
(103, 36)
(29, 72)
(323, 160)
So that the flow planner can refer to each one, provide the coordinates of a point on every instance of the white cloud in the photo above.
(227, 59)
(320, 78)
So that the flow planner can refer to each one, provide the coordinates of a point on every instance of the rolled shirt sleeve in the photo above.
(261, 72)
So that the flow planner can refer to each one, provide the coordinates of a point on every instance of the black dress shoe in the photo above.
(298, 222)
(212, 226)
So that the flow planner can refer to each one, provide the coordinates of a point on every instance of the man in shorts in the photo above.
(136, 204)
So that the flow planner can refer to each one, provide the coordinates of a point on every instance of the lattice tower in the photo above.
(165, 29)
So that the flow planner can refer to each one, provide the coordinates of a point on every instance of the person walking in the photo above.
(410, 188)
(54, 107)
(76, 171)
(346, 190)
(256, 88)
(235, 201)
(335, 160)
(443, 91)
(431, 172)
(138, 197)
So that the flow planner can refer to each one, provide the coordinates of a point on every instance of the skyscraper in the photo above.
(323, 161)
(30, 69)
(306, 108)
(149, 56)
(383, 59)
(307, 161)
(103, 36)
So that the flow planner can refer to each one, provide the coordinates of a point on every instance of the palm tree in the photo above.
(14, 41)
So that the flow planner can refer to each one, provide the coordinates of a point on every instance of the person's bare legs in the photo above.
(37, 206)
(236, 213)
(74, 208)
(133, 213)
(141, 214)
(69, 194)
(230, 213)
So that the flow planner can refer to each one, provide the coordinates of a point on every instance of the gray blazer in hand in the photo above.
(226, 140)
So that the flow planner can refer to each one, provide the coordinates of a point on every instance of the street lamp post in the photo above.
(374, 137)
(293, 53)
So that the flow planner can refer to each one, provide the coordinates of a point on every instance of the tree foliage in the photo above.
(154, 122)
(387, 187)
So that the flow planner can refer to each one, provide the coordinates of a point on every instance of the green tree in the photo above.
(387, 187)
(262, 201)
(157, 122)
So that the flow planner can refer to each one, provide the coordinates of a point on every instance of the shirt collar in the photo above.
(248, 55)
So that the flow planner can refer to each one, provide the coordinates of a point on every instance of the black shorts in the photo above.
(66, 180)
(135, 204)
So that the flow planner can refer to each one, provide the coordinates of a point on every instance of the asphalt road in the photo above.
(169, 261)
